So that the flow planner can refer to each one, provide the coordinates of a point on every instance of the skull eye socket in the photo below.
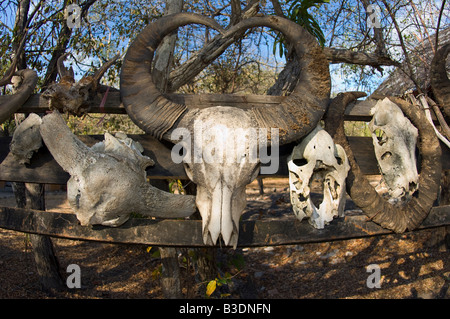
(339, 160)
(386, 156)
(381, 136)
(300, 161)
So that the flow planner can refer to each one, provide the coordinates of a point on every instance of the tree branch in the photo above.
(200, 60)
(358, 57)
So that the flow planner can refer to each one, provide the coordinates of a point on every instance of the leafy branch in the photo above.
(298, 13)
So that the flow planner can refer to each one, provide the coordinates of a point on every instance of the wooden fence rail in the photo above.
(44, 169)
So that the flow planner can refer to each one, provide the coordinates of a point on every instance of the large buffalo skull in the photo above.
(318, 158)
(394, 139)
(221, 187)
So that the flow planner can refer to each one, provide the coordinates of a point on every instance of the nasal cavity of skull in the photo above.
(316, 186)
(381, 136)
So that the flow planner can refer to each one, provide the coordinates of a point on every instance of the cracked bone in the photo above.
(26, 139)
(394, 140)
(221, 164)
(317, 157)
(108, 182)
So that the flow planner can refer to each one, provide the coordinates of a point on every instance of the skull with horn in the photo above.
(221, 187)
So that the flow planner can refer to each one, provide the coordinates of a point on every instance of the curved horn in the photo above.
(70, 153)
(300, 112)
(9, 104)
(144, 103)
(412, 214)
(439, 80)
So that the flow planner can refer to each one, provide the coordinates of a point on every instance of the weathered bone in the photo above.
(70, 97)
(397, 218)
(317, 157)
(26, 139)
(394, 140)
(221, 167)
(221, 196)
(108, 181)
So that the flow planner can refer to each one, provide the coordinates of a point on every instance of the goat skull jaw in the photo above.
(332, 204)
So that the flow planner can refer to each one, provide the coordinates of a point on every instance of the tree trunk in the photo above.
(29, 195)
(32, 195)
(170, 279)
(445, 200)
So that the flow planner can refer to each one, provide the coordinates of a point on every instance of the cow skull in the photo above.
(221, 159)
(394, 139)
(108, 181)
(220, 186)
(317, 157)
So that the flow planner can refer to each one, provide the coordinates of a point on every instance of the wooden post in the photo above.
(445, 200)
(31, 196)
(170, 279)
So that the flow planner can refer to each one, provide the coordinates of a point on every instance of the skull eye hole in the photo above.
(386, 156)
(381, 136)
(300, 161)
(339, 160)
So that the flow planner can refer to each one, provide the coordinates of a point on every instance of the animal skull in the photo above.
(220, 186)
(394, 139)
(108, 181)
(317, 157)
(222, 162)
(26, 139)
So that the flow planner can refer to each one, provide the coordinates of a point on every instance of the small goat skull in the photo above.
(317, 157)
(108, 181)
(394, 139)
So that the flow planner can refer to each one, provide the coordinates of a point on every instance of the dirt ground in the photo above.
(411, 265)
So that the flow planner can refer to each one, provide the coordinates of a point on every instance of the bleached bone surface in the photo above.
(220, 163)
(26, 139)
(394, 139)
(317, 157)
(108, 182)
